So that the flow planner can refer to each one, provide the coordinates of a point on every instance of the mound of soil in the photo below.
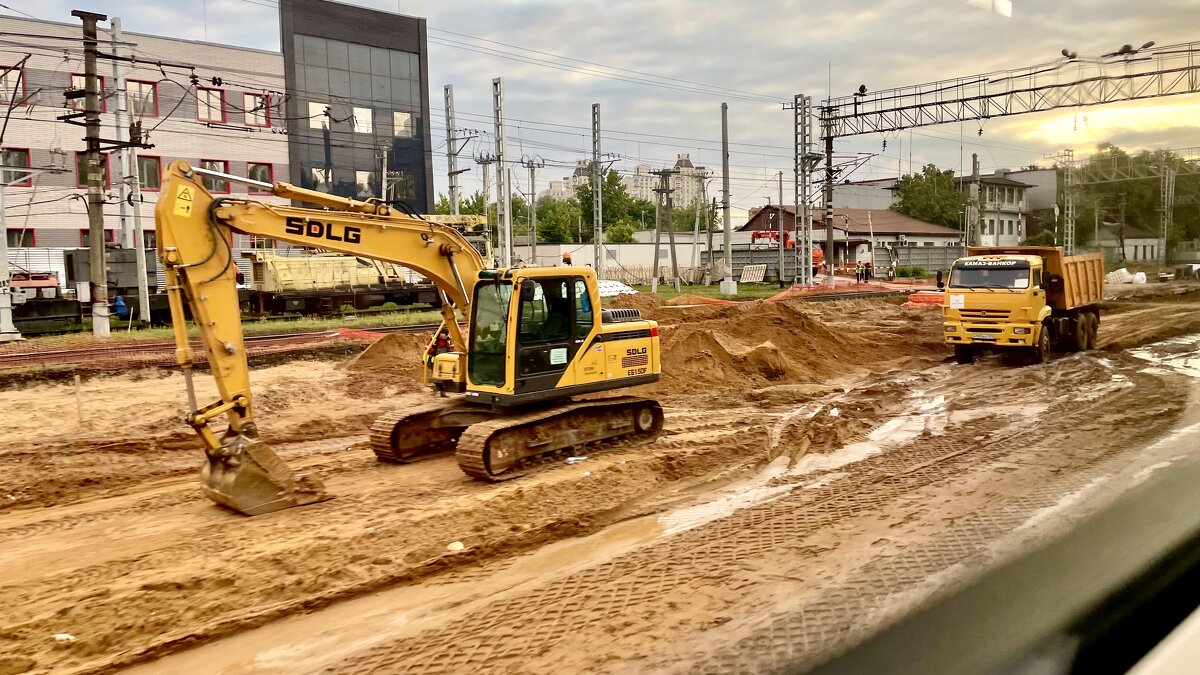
(693, 299)
(645, 302)
(749, 345)
(393, 362)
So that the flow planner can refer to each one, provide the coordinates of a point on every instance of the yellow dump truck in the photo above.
(1031, 299)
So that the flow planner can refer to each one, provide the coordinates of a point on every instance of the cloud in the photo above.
(773, 48)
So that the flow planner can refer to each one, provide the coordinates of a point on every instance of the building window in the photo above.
(142, 98)
(210, 105)
(1011, 227)
(402, 125)
(362, 120)
(81, 171)
(20, 238)
(364, 184)
(262, 172)
(110, 236)
(15, 157)
(318, 179)
(261, 242)
(79, 81)
(12, 84)
(211, 183)
(991, 226)
(149, 239)
(401, 185)
(927, 243)
(258, 109)
(318, 115)
(149, 172)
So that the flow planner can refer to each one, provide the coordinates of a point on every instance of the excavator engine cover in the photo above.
(246, 475)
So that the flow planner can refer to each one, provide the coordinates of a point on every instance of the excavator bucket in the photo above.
(246, 475)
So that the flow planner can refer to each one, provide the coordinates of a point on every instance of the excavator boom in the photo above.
(195, 248)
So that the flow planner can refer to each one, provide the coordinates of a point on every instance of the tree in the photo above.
(932, 196)
(619, 233)
(1135, 203)
(558, 220)
(1044, 238)
(617, 203)
(472, 205)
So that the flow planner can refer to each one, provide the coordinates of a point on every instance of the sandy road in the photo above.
(788, 566)
(832, 486)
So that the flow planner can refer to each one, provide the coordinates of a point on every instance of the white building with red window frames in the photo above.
(234, 125)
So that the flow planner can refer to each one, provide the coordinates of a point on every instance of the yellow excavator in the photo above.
(534, 339)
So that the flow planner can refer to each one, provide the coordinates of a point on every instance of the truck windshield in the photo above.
(489, 333)
(990, 274)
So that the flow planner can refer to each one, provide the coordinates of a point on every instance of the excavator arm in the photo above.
(195, 248)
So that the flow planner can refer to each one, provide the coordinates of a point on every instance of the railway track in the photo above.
(137, 354)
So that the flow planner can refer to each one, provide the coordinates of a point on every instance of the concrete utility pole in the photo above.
(451, 148)
(485, 160)
(8, 329)
(804, 164)
(130, 184)
(95, 198)
(658, 218)
(780, 223)
(827, 131)
(503, 191)
(728, 285)
(974, 215)
(533, 164)
(598, 196)
(121, 154)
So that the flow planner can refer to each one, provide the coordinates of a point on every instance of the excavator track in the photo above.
(422, 437)
(508, 447)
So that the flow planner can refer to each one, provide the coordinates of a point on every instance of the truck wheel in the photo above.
(1079, 332)
(1093, 328)
(1041, 351)
(964, 354)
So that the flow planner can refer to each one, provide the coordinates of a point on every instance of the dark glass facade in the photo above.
(357, 94)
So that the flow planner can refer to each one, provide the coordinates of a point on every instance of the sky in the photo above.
(660, 70)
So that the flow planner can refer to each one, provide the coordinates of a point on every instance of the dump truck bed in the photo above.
(1082, 275)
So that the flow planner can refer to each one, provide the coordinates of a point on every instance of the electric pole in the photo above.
(485, 160)
(598, 196)
(827, 130)
(451, 148)
(781, 235)
(662, 215)
(503, 191)
(728, 285)
(130, 183)
(95, 177)
(533, 163)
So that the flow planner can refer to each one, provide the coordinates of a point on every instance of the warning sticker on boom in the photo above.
(183, 200)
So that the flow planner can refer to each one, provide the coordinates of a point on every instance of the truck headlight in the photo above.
(949, 328)
(1020, 331)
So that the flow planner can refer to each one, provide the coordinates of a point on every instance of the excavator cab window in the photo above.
(546, 323)
(583, 312)
(489, 333)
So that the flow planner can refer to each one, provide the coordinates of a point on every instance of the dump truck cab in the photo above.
(1032, 299)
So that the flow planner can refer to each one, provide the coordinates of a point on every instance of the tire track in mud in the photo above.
(625, 595)
(361, 544)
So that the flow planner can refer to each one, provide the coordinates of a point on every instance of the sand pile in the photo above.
(754, 344)
(644, 302)
(395, 360)
(693, 299)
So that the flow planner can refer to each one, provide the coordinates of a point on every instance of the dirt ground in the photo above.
(818, 459)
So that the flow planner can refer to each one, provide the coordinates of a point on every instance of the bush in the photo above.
(389, 306)
(912, 272)
(347, 309)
